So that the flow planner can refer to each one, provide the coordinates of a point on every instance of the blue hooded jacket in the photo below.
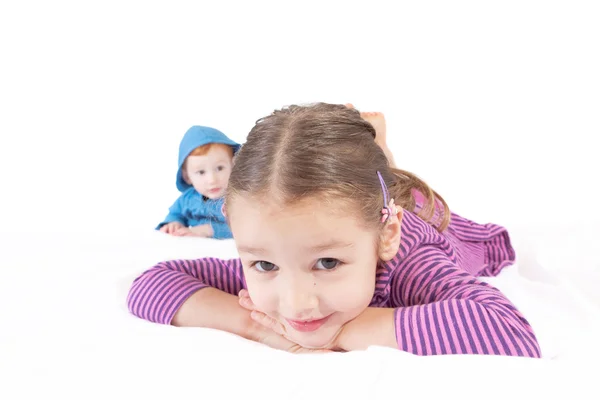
(191, 208)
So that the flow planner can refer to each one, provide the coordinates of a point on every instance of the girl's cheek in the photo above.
(260, 296)
(362, 294)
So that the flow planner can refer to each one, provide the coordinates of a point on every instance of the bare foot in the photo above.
(377, 119)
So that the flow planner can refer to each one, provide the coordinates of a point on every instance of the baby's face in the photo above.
(311, 269)
(209, 174)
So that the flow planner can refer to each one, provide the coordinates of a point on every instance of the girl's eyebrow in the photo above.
(333, 244)
(251, 250)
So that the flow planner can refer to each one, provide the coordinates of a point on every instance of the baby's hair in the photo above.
(204, 149)
(326, 151)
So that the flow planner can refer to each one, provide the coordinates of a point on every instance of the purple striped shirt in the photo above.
(440, 306)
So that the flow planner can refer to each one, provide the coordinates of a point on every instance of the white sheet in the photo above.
(65, 329)
(493, 103)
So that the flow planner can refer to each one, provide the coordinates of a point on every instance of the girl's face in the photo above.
(309, 267)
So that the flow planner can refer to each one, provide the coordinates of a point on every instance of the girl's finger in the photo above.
(246, 303)
(267, 322)
(244, 295)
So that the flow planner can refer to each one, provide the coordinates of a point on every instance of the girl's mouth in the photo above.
(307, 325)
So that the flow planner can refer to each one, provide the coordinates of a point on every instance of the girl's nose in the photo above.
(301, 301)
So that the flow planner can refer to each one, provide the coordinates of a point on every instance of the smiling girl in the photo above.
(339, 251)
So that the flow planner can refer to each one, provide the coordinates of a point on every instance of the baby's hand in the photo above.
(171, 227)
(199, 230)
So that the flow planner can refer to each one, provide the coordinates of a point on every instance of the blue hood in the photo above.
(198, 136)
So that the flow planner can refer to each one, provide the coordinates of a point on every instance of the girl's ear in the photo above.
(389, 242)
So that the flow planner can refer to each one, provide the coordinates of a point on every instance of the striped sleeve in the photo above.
(159, 292)
(445, 310)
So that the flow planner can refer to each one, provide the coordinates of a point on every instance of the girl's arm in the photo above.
(160, 293)
(200, 293)
(441, 309)
(213, 308)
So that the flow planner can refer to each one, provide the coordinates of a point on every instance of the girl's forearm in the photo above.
(213, 308)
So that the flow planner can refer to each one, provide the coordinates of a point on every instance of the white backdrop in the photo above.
(495, 104)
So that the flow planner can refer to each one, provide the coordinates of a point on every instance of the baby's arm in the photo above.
(221, 230)
(204, 231)
(175, 215)
(444, 310)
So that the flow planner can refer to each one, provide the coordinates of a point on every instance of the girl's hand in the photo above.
(271, 332)
(373, 327)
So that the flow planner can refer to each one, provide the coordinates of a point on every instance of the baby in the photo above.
(205, 162)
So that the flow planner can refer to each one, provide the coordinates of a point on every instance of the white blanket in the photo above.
(65, 330)
(495, 104)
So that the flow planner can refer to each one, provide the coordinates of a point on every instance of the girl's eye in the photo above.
(327, 263)
(200, 172)
(220, 168)
(264, 266)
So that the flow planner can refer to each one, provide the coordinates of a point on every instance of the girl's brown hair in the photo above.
(324, 150)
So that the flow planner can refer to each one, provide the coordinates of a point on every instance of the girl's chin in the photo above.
(312, 343)
(314, 340)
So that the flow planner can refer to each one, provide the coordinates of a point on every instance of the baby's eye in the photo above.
(327, 263)
(264, 266)
(201, 172)
(220, 168)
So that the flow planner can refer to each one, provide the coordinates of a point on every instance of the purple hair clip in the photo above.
(389, 208)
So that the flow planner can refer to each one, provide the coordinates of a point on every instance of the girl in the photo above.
(338, 251)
